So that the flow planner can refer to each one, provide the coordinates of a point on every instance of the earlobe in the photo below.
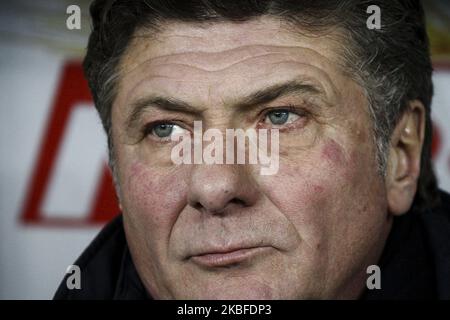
(404, 158)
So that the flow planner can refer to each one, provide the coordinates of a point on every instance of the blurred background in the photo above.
(55, 190)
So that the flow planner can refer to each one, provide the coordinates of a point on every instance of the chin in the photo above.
(237, 288)
(241, 291)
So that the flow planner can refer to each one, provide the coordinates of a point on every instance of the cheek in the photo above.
(332, 153)
(152, 198)
(318, 192)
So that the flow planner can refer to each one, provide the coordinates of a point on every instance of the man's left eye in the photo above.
(280, 117)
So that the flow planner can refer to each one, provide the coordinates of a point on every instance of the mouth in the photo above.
(228, 258)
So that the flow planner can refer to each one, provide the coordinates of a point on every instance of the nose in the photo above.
(218, 188)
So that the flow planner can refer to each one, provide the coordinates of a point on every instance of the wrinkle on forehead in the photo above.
(234, 64)
(224, 58)
(253, 52)
(230, 84)
(221, 42)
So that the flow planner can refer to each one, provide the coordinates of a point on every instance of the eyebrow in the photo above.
(160, 102)
(262, 96)
(273, 92)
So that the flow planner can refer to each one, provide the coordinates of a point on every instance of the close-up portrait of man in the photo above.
(350, 208)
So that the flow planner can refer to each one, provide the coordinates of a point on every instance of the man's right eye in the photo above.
(164, 130)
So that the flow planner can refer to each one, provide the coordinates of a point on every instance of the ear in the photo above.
(403, 167)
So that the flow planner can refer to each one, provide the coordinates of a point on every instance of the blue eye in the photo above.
(163, 130)
(280, 117)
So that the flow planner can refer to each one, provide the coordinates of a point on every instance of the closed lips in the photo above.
(222, 258)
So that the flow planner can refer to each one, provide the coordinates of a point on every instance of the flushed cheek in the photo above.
(310, 192)
(340, 165)
(152, 198)
(332, 153)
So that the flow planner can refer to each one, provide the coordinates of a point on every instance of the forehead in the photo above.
(213, 59)
(203, 43)
(211, 37)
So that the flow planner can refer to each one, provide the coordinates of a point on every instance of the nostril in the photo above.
(214, 208)
(239, 202)
(197, 206)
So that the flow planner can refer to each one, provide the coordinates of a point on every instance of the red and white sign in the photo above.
(71, 184)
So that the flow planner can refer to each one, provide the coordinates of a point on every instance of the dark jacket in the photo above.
(415, 263)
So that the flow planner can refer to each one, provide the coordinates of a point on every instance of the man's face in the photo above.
(226, 231)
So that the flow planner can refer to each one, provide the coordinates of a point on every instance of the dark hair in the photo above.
(392, 63)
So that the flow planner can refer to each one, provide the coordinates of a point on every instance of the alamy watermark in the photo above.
(191, 150)
(374, 20)
(374, 280)
(73, 21)
(73, 281)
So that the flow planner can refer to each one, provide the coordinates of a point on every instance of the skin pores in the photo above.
(225, 231)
